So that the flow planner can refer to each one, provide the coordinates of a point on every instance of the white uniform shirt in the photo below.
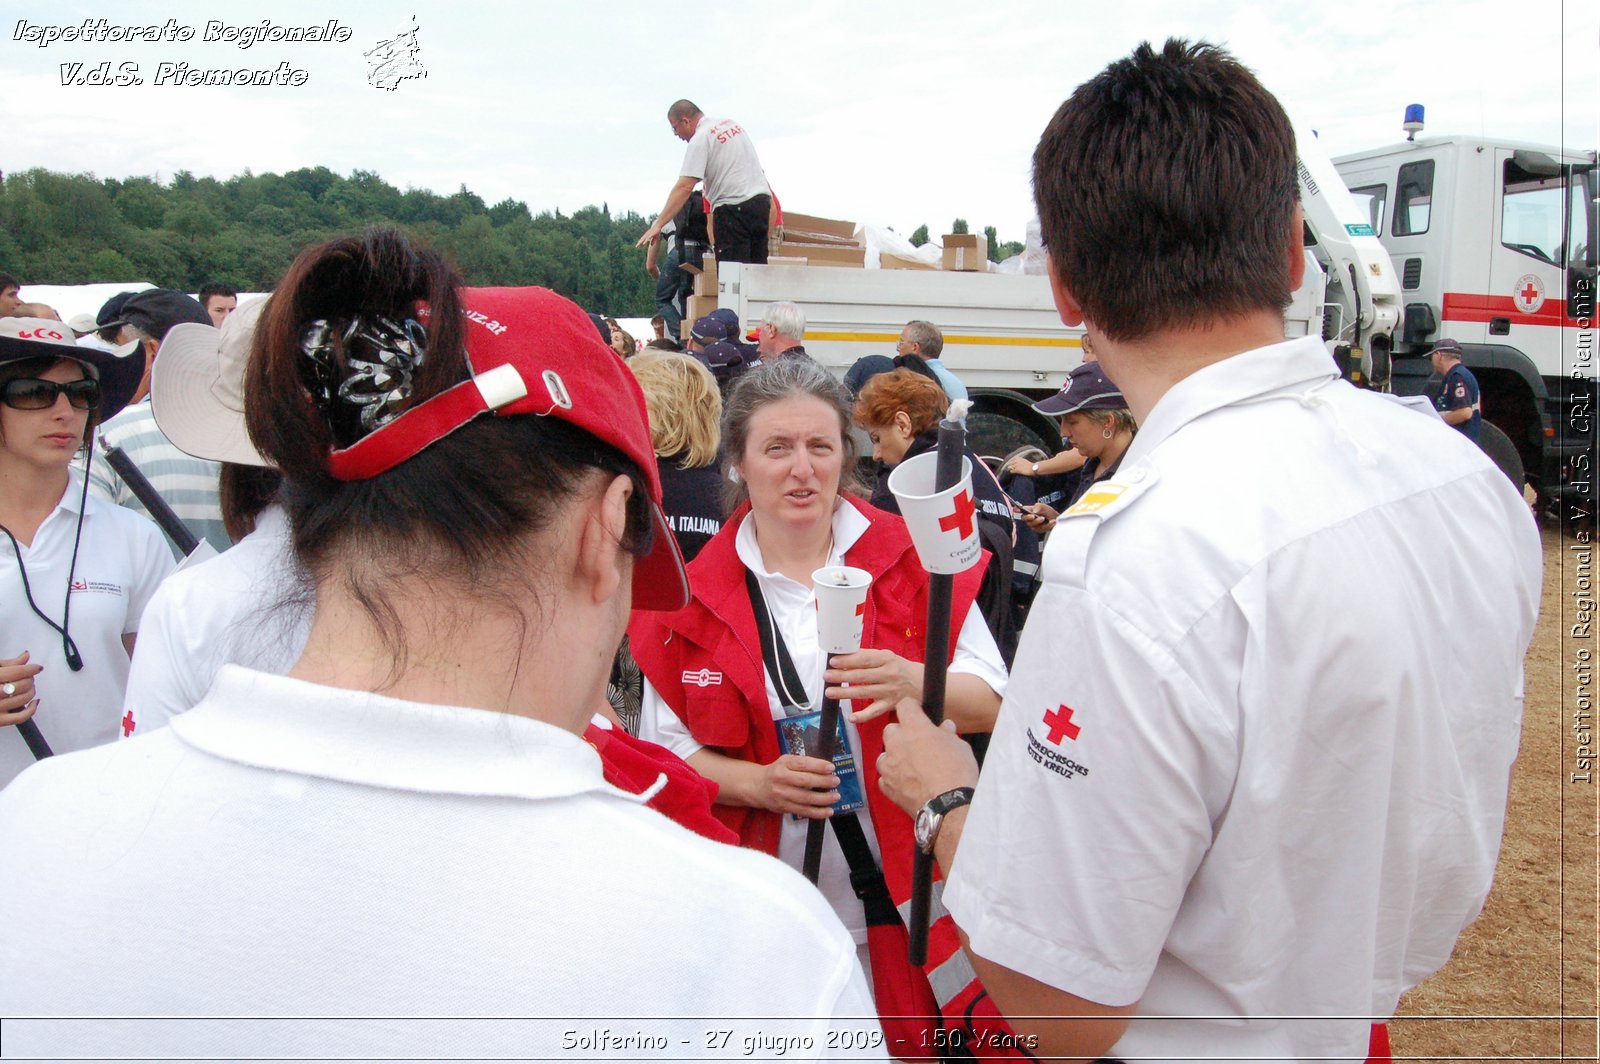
(121, 559)
(288, 849)
(228, 609)
(1254, 756)
(794, 613)
(722, 154)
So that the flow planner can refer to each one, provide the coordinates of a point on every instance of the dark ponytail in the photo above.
(377, 273)
(458, 513)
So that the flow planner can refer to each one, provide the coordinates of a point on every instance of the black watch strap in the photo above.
(949, 800)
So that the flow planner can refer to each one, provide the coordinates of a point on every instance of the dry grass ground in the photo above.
(1521, 985)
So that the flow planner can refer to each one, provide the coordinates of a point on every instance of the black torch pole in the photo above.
(146, 493)
(811, 867)
(947, 471)
(35, 739)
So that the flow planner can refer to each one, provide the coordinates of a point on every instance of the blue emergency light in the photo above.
(1413, 121)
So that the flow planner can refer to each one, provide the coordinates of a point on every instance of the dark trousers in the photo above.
(742, 230)
(673, 288)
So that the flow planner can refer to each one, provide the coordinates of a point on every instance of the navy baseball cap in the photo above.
(721, 355)
(708, 330)
(864, 369)
(1087, 388)
(1446, 347)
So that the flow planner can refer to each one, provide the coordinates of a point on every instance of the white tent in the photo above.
(69, 300)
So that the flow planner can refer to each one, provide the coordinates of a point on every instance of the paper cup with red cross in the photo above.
(841, 607)
(943, 524)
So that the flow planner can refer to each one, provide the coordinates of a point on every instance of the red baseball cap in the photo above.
(534, 352)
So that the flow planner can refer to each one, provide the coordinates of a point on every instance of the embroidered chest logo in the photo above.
(128, 724)
(703, 678)
(1059, 721)
(1060, 727)
(102, 587)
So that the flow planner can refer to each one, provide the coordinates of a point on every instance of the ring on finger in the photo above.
(8, 689)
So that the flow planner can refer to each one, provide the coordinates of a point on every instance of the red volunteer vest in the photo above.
(705, 661)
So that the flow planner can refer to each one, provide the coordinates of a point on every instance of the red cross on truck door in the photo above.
(1528, 296)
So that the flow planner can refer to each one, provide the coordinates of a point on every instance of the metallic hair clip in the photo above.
(381, 357)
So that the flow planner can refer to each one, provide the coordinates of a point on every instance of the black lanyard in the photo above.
(775, 652)
(865, 878)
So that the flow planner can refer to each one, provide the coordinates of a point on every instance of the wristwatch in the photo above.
(931, 816)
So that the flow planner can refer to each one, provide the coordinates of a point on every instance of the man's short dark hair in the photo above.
(681, 109)
(8, 281)
(1166, 186)
(216, 290)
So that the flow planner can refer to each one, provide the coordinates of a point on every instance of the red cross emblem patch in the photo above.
(1059, 721)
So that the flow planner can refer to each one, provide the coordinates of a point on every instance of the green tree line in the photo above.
(244, 231)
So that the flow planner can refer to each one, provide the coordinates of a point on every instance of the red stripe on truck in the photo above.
(1469, 307)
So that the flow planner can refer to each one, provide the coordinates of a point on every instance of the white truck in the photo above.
(1494, 242)
(1002, 335)
(1490, 243)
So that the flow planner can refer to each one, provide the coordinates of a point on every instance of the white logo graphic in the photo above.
(1528, 294)
(703, 678)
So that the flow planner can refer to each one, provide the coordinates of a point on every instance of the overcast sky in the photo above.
(891, 113)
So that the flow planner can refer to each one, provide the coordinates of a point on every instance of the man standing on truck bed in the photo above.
(721, 154)
(1228, 811)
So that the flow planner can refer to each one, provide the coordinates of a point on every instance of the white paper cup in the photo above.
(841, 607)
(944, 525)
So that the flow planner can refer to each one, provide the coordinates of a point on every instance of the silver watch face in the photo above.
(927, 827)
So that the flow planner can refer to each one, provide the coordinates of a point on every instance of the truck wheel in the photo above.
(1002, 421)
(1503, 453)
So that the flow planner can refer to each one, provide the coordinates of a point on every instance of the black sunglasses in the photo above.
(31, 393)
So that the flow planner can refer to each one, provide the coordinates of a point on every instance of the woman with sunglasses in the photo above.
(75, 572)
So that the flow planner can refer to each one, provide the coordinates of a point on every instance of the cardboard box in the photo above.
(705, 274)
(824, 254)
(967, 252)
(808, 223)
(699, 307)
(780, 260)
(888, 260)
(801, 236)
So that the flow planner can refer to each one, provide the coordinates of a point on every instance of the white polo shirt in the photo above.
(121, 559)
(291, 850)
(722, 154)
(229, 609)
(1254, 755)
